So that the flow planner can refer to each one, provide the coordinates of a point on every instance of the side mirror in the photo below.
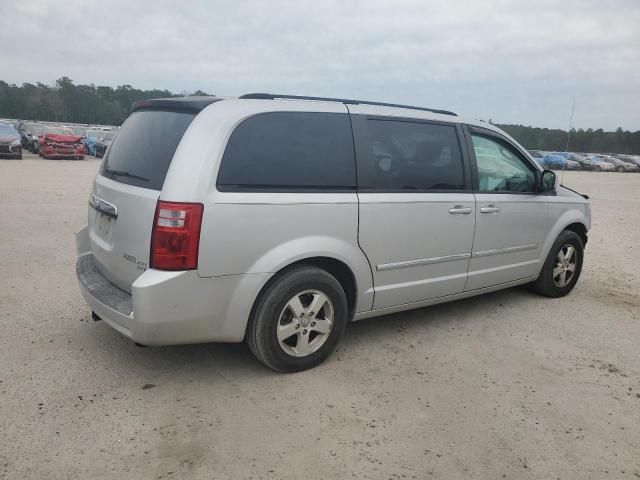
(547, 181)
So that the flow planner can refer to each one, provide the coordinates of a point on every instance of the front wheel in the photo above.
(562, 267)
(620, 169)
(298, 320)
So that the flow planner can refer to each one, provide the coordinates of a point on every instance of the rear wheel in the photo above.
(298, 320)
(562, 267)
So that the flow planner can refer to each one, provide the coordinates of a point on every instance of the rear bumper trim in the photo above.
(101, 289)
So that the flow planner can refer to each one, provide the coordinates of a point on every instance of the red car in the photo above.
(59, 142)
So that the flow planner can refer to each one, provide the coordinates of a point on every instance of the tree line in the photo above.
(104, 105)
(580, 140)
(70, 103)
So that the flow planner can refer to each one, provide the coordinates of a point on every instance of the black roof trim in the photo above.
(190, 104)
(271, 96)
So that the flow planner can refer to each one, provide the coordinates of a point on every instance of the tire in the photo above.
(597, 168)
(272, 307)
(552, 287)
(620, 169)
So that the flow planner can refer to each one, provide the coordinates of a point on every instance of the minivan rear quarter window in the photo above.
(290, 151)
(143, 148)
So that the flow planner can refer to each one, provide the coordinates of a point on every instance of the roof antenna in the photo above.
(568, 138)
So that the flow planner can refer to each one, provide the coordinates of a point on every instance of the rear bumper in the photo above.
(169, 308)
(113, 305)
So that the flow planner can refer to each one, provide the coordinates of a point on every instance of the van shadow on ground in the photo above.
(236, 360)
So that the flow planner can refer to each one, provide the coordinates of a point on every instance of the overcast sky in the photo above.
(513, 62)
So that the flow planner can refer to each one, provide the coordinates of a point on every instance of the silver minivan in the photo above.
(277, 219)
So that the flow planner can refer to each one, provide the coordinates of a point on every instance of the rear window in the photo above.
(290, 151)
(142, 151)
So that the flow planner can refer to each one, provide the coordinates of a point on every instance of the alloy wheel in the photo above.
(305, 323)
(565, 266)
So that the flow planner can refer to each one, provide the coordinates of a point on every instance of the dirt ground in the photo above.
(507, 385)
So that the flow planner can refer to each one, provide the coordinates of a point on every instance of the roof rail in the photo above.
(271, 96)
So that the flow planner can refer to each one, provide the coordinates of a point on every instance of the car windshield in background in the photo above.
(142, 153)
(58, 131)
(7, 130)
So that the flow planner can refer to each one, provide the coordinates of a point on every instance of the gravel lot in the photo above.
(507, 385)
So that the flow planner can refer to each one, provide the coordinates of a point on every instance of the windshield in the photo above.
(7, 130)
(108, 136)
(143, 151)
(58, 131)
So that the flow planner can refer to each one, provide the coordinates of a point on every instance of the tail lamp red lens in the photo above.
(176, 236)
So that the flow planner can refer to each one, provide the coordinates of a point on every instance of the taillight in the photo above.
(176, 236)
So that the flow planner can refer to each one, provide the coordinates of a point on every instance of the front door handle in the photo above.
(460, 210)
(489, 209)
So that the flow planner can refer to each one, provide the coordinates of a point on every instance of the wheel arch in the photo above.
(339, 269)
(574, 220)
(579, 229)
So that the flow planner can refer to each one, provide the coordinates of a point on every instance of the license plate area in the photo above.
(103, 226)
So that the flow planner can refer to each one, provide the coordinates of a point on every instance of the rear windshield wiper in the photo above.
(122, 173)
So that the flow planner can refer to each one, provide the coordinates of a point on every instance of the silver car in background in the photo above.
(277, 219)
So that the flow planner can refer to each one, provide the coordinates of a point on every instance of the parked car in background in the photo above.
(90, 139)
(60, 142)
(10, 142)
(38, 131)
(79, 130)
(599, 165)
(585, 162)
(558, 162)
(164, 259)
(24, 132)
(103, 143)
(634, 159)
(619, 165)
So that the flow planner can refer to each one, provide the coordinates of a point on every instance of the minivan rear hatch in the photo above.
(126, 191)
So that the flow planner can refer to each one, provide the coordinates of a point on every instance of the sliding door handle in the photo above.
(460, 210)
(489, 209)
